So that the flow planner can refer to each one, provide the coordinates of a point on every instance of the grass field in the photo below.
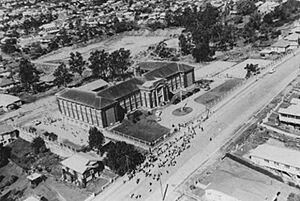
(211, 96)
(145, 129)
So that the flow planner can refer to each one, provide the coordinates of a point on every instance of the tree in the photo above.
(185, 44)
(76, 63)
(202, 51)
(99, 61)
(123, 158)
(252, 69)
(96, 138)
(4, 155)
(62, 75)
(38, 145)
(28, 74)
(246, 7)
(119, 61)
(293, 197)
(9, 46)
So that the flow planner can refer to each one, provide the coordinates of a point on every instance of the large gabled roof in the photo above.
(122, 89)
(86, 98)
(167, 71)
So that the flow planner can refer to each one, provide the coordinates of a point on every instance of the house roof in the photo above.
(79, 162)
(242, 183)
(278, 154)
(34, 176)
(6, 128)
(292, 37)
(167, 71)
(6, 99)
(281, 43)
(6, 81)
(122, 89)
(31, 198)
(293, 109)
(86, 98)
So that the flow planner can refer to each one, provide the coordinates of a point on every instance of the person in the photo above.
(210, 139)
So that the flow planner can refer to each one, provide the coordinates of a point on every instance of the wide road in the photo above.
(220, 127)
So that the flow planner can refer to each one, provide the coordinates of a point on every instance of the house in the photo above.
(8, 134)
(291, 114)
(293, 39)
(7, 83)
(281, 46)
(280, 159)
(267, 7)
(233, 181)
(105, 107)
(8, 102)
(32, 198)
(81, 168)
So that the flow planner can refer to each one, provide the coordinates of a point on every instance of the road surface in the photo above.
(220, 127)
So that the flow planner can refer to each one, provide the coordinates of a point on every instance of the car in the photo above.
(196, 90)
(176, 101)
(272, 71)
(188, 94)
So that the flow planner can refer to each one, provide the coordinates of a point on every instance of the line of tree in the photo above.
(123, 158)
(113, 66)
(29, 75)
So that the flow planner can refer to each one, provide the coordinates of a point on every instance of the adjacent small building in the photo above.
(9, 102)
(81, 168)
(8, 134)
(96, 104)
(281, 159)
(233, 181)
(291, 114)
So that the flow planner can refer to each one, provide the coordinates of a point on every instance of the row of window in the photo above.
(285, 165)
(290, 116)
(80, 112)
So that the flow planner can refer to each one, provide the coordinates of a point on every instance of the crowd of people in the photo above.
(161, 160)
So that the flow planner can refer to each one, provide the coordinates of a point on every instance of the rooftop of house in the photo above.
(80, 162)
(6, 128)
(279, 154)
(293, 109)
(281, 43)
(6, 82)
(242, 183)
(6, 99)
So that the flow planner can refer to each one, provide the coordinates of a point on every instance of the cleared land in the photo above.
(218, 92)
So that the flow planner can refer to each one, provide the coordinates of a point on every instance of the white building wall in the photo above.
(214, 195)
(276, 165)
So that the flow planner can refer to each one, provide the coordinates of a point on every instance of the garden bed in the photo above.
(217, 93)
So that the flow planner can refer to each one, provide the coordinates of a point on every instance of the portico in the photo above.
(154, 92)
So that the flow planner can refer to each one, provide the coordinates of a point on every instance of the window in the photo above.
(266, 160)
(276, 163)
(287, 166)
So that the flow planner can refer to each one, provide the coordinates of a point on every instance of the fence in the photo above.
(33, 133)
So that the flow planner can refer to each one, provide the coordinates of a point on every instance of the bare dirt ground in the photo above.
(135, 41)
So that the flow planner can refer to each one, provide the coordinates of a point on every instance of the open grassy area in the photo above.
(213, 95)
(145, 129)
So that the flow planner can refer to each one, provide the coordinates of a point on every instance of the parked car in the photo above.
(176, 101)
(196, 90)
(188, 94)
